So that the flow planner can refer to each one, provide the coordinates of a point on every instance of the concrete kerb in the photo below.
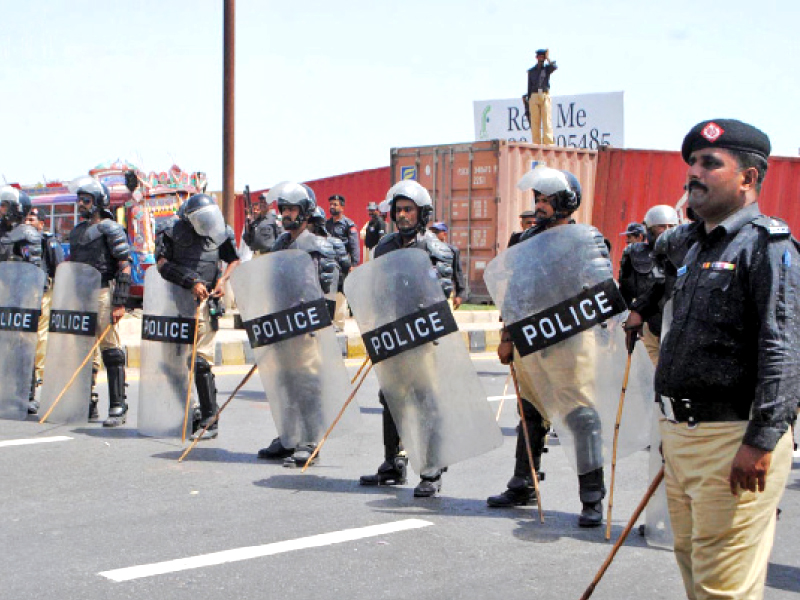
(232, 347)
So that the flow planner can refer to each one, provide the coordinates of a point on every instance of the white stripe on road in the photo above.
(498, 398)
(237, 554)
(42, 440)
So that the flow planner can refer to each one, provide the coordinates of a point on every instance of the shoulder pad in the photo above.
(437, 249)
(775, 227)
(110, 226)
(116, 237)
(388, 243)
(24, 233)
(282, 242)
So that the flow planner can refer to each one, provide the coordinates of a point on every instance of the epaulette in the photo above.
(775, 227)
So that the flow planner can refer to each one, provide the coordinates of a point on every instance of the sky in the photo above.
(324, 87)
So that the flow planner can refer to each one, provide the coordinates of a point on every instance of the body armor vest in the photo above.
(195, 252)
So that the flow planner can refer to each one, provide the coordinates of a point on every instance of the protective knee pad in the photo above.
(206, 386)
(201, 365)
(113, 357)
(584, 423)
(391, 437)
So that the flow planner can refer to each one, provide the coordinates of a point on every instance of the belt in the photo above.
(685, 410)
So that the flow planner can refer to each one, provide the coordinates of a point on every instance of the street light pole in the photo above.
(228, 98)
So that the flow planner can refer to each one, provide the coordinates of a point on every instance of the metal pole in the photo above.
(228, 98)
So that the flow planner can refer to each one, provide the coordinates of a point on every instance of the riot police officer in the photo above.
(20, 241)
(296, 205)
(410, 207)
(101, 242)
(189, 254)
(261, 233)
(567, 369)
(641, 279)
(343, 228)
(316, 225)
(52, 256)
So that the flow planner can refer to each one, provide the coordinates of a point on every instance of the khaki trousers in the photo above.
(722, 541)
(541, 118)
(341, 312)
(41, 342)
(111, 340)
(652, 343)
(205, 334)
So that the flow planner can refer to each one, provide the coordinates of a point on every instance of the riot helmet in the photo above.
(89, 187)
(317, 221)
(410, 190)
(661, 215)
(18, 204)
(556, 186)
(574, 185)
(205, 217)
(289, 193)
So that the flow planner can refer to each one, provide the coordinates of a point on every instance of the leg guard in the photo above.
(584, 423)
(592, 491)
(94, 415)
(537, 433)
(206, 390)
(391, 438)
(114, 361)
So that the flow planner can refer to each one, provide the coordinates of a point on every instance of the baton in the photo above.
(527, 443)
(650, 491)
(364, 364)
(215, 418)
(336, 420)
(78, 370)
(616, 438)
(191, 372)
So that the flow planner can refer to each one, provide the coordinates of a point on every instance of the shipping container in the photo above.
(628, 182)
(359, 189)
(473, 187)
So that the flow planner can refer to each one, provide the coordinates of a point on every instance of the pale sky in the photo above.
(324, 88)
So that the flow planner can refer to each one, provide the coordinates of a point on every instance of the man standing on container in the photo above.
(440, 231)
(343, 228)
(728, 376)
(538, 98)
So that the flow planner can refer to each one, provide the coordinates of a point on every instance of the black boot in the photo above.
(430, 484)
(207, 396)
(391, 472)
(520, 490)
(33, 405)
(300, 456)
(114, 360)
(94, 415)
(592, 491)
(275, 451)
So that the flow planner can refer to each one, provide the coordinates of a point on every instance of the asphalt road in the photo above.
(77, 514)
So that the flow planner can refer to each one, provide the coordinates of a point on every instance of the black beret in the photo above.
(726, 133)
(541, 51)
(527, 214)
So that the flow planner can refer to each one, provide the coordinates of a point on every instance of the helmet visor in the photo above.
(209, 222)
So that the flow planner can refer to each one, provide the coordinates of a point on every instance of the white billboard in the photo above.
(582, 121)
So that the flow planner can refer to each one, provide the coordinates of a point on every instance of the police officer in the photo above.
(345, 229)
(188, 254)
(261, 233)
(19, 241)
(52, 256)
(727, 376)
(410, 208)
(527, 219)
(373, 230)
(568, 369)
(641, 280)
(98, 240)
(316, 225)
(634, 232)
(440, 231)
(296, 204)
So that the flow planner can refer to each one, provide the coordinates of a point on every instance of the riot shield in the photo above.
(21, 289)
(422, 364)
(558, 299)
(167, 335)
(72, 333)
(299, 359)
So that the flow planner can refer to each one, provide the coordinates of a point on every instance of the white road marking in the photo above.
(498, 398)
(41, 440)
(238, 554)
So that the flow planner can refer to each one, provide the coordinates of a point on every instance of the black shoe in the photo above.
(389, 473)
(520, 492)
(116, 416)
(591, 515)
(197, 416)
(300, 456)
(275, 451)
(428, 486)
(33, 407)
(210, 433)
(94, 415)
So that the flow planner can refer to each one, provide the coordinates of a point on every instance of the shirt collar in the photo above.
(731, 225)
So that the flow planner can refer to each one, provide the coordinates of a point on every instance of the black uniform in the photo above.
(52, 255)
(458, 273)
(670, 252)
(345, 230)
(260, 235)
(641, 283)
(376, 229)
(22, 243)
(732, 346)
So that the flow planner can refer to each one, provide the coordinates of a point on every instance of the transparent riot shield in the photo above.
(72, 333)
(422, 364)
(168, 325)
(21, 289)
(299, 359)
(559, 301)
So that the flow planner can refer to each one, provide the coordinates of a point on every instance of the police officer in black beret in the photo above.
(527, 219)
(728, 377)
(344, 228)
